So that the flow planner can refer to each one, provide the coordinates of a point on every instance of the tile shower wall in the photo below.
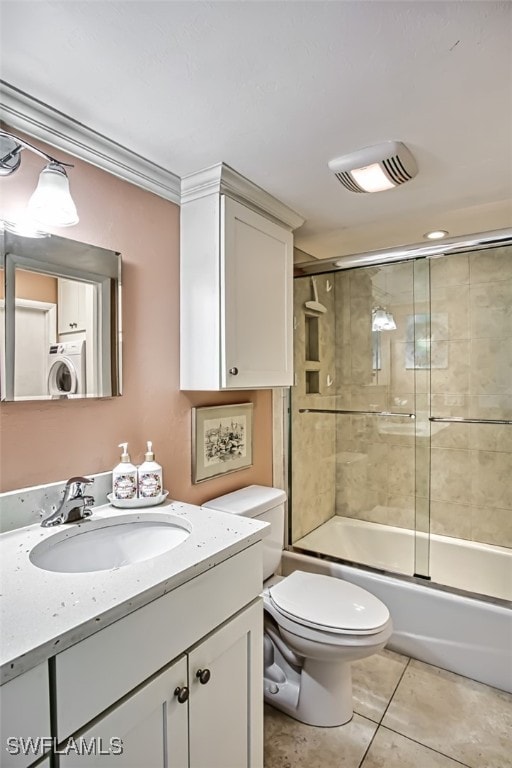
(313, 435)
(375, 474)
(371, 467)
(471, 489)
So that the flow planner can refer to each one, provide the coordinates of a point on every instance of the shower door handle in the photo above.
(461, 420)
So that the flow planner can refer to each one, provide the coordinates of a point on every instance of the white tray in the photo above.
(151, 501)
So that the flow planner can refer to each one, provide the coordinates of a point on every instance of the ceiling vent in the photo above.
(376, 168)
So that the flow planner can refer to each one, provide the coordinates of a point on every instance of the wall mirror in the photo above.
(60, 319)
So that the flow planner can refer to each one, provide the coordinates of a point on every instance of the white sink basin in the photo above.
(100, 545)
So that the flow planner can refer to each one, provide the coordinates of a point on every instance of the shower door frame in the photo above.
(282, 398)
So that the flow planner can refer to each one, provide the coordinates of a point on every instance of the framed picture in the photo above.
(221, 440)
(426, 345)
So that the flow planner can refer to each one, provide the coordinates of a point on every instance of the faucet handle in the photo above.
(75, 486)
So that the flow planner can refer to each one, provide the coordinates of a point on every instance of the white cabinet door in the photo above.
(236, 314)
(226, 709)
(256, 299)
(146, 730)
(75, 306)
(25, 718)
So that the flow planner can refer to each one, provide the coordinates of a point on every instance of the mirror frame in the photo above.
(61, 257)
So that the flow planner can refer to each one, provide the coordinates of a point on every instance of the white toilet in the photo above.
(314, 625)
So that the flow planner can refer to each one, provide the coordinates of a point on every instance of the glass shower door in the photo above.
(471, 421)
(359, 479)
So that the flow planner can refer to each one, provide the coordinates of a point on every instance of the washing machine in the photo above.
(66, 369)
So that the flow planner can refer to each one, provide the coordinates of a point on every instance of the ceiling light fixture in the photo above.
(376, 168)
(51, 204)
(436, 234)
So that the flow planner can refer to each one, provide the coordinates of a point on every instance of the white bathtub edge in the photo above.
(467, 636)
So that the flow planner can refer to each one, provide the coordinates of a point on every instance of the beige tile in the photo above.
(450, 475)
(451, 519)
(451, 308)
(491, 309)
(489, 407)
(402, 378)
(448, 270)
(401, 463)
(490, 437)
(491, 472)
(492, 264)
(450, 367)
(459, 717)
(374, 680)
(491, 367)
(390, 750)
(450, 435)
(290, 744)
(491, 526)
(450, 404)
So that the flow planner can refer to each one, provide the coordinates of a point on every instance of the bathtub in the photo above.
(465, 635)
(480, 568)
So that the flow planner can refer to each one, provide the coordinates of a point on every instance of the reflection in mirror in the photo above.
(60, 316)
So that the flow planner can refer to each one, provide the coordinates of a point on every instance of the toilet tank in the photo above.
(263, 503)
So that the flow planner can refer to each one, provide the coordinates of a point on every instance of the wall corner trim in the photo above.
(25, 113)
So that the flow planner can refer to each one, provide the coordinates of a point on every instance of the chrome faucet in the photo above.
(74, 506)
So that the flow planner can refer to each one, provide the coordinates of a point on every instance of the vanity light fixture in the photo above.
(51, 203)
(376, 168)
(382, 320)
(436, 234)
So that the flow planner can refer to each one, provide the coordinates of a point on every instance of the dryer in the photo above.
(66, 369)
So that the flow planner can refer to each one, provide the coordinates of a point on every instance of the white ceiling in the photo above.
(276, 89)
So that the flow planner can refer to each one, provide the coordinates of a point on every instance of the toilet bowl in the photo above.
(315, 625)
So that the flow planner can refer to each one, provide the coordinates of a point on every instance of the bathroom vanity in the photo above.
(156, 663)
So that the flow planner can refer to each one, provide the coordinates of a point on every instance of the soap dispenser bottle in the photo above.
(124, 477)
(150, 475)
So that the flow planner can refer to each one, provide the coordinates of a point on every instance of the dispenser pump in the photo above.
(125, 456)
(150, 476)
(149, 455)
(124, 477)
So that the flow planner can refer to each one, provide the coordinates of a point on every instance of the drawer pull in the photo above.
(203, 675)
(181, 694)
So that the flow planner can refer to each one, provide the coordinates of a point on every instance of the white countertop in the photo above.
(43, 612)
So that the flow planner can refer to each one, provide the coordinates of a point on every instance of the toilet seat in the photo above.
(327, 605)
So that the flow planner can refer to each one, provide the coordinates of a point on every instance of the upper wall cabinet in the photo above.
(236, 284)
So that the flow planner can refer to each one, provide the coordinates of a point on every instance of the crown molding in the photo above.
(222, 179)
(31, 116)
(25, 113)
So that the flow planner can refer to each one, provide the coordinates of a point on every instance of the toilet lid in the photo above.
(329, 603)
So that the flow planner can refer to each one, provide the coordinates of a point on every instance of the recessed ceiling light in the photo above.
(436, 234)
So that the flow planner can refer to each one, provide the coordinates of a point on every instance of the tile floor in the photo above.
(407, 714)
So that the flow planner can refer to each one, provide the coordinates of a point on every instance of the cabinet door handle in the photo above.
(203, 675)
(181, 694)
(233, 371)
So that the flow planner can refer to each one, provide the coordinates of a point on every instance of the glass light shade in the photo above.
(371, 178)
(382, 320)
(52, 204)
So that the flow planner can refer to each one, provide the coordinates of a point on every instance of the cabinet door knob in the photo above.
(181, 694)
(233, 371)
(203, 675)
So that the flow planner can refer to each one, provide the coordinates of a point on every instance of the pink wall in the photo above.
(45, 441)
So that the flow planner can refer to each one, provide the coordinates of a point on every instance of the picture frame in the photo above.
(221, 440)
(426, 346)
